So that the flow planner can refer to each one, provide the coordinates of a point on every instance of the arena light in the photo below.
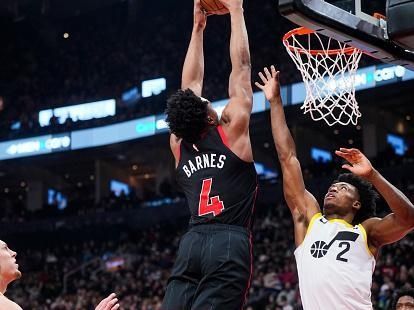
(161, 124)
(117, 187)
(34, 146)
(79, 112)
(153, 87)
(56, 198)
(264, 172)
(131, 96)
(397, 143)
(16, 125)
(106, 135)
(320, 155)
(155, 124)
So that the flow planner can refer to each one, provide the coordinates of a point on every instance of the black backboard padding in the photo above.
(400, 14)
(343, 26)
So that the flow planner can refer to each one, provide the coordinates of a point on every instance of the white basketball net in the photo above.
(328, 69)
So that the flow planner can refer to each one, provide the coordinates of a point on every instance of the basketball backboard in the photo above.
(350, 21)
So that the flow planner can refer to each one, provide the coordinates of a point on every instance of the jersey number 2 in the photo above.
(207, 205)
(347, 247)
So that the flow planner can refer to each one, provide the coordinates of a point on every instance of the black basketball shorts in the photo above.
(212, 270)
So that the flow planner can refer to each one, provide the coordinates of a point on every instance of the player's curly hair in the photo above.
(367, 196)
(401, 293)
(186, 115)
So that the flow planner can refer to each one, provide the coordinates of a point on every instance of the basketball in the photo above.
(214, 7)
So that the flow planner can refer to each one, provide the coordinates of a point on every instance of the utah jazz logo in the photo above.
(319, 249)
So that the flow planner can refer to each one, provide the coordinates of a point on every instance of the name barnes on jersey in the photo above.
(204, 161)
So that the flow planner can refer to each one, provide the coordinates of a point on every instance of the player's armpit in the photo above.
(235, 117)
(300, 225)
(385, 231)
(235, 123)
(306, 204)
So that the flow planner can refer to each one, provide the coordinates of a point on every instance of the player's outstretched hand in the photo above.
(109, 303)
(200, 16)
(358, 162)
(271, 86)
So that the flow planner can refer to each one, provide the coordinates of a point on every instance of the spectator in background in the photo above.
(404, 300)
(149, 255)
(9, 272)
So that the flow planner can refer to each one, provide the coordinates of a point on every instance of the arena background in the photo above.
(88, 197)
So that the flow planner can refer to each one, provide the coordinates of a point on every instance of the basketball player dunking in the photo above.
(336, 249)
(215, 169)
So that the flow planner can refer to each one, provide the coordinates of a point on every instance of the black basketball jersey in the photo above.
(218, 185)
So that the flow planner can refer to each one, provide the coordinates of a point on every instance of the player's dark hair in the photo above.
(401, 293)
(186, 115)
(367, 196)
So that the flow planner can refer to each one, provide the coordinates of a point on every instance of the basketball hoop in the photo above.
(328, 69)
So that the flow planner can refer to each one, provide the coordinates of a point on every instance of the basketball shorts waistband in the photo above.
(219, 227)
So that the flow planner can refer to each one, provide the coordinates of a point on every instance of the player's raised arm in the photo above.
(193, 69)
(297, 197)
(397, 224)
(237, 113)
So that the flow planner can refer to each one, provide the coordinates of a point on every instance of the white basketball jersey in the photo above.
(335, 266)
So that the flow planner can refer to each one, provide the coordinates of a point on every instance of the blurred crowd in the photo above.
(80, 201)
(74, 275)
(77, 267)
(106, 54)
(101, 60)
(80, 265)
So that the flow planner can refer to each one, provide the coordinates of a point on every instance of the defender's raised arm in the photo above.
(296, 195)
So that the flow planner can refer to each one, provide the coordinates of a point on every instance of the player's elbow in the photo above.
(245, 60)
(410, 220)
(246, 97)
(286, 158)
(406, 220)
(241, 59)
(245, 65)
(408, 217)
(241, 73)
(243, 93)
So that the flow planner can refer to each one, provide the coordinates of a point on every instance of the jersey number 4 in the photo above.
(207, 205)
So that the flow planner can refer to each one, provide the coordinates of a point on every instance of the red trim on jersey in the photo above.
(223, 136)
(251, 251)
(254, 205)
(179, 152)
